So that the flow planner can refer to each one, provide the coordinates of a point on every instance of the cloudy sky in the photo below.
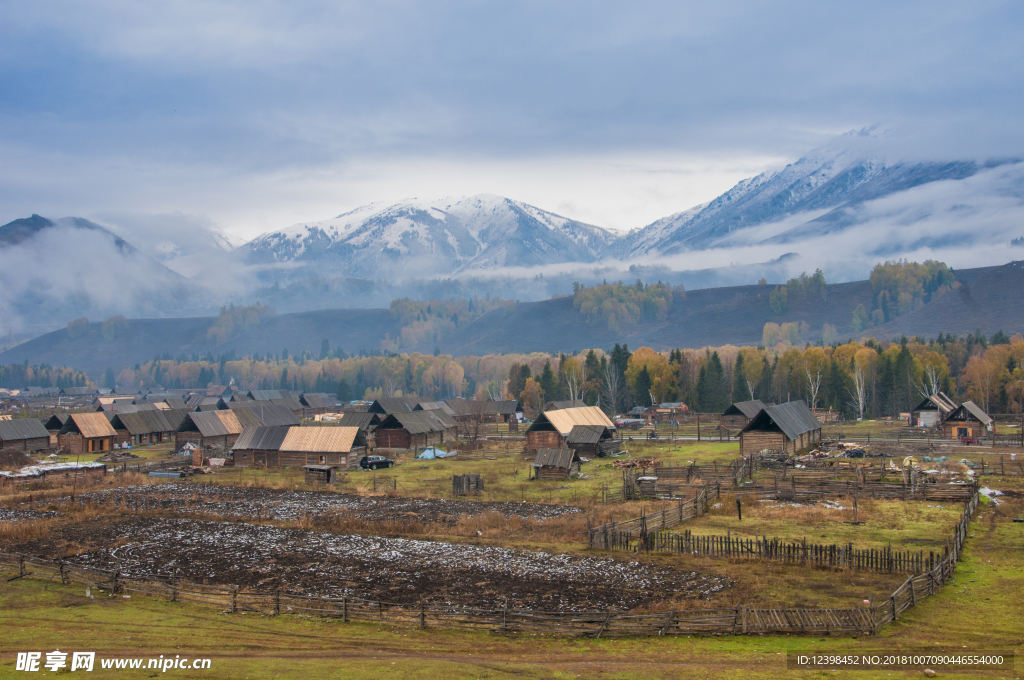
(254, 115)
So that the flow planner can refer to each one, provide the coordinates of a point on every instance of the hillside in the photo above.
(989, 298)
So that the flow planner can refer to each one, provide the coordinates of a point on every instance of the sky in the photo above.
(251, 116)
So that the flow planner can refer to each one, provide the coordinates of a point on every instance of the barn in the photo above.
(932, 410)
(259, 447)
(739, 414)
(23, 434)
(967, 420)
(555, 463)
(415, 429)
(86, 433)
(210, 428)
(786, 427)
(551, 428)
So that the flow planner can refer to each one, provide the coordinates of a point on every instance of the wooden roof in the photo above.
(89, 425)
(745, 408)
(563, 420)
(262, 438)
(212, 423)
(24, 428)
(320, 439)
(556, 458)
(417, 422)
(966, 411)
(793, 418)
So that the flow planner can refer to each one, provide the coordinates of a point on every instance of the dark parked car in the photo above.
(374, 462)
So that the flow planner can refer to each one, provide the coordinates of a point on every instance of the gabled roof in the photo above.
(793, 418)
(211, 423)
(435, 406)
(265, 395)
(364, 420)
(745, 408)
(967, 409)
(261, 437)
(23, 428)
(585, 434)
(141, 422)
(556, 458)
(564, 419)
(290, 403)
(267, 412)
(416, 422)
(56, 421)
(566, 403)
(174, 402)
(238, 396)
(89, 425)
(175, 416)
(316, 401)
(328, 439)
(937, 402)
(388, 405)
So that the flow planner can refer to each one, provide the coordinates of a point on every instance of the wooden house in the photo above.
(327, 445)
(551, 428)
(317, 404)
(209, 428)
(739, 414)
(555, 463)
(24, 434)
(86, 433)
(142, 428)
(786, 427)
(259, 446)
(967, 420)
(932, 411)
(413, 429)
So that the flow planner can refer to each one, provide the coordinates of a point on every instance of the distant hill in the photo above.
(989, 299)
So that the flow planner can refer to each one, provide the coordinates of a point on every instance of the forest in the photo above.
(868, 380)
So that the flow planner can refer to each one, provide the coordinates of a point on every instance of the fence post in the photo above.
(234, 599)
(423, 614)
(277, 601)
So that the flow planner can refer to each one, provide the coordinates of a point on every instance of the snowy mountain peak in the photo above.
(418, 237)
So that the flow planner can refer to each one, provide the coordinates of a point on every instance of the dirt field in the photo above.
(257, 503)
(388, 569)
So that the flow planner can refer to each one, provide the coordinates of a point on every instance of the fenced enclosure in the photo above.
(736, 620)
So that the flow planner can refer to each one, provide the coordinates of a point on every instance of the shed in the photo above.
(323, 445)
(414, 429)
(86, 433)
(551, 428)
(786, 427)
(209, 428)
(321, 474)
(592, 441)
(932, 410)
(23, 434)
(259, 446)
(740, 413)
(967, 420)
(555, 463)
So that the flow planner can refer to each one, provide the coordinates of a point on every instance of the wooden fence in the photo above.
(599, 537)
(736, 620)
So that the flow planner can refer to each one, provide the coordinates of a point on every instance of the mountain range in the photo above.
(841, 207)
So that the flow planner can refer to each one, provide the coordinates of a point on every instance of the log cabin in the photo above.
(551, 428)
(787, 427)
(86, 433)
(555, 463)
(209, 428)
(932, 411)
(967, 420)
(415, 429)
(23, 434)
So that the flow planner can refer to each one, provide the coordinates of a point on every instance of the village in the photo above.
(474, 513)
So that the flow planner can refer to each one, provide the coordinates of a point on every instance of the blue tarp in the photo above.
(433, 452)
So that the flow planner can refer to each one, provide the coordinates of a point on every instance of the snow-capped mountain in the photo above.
(426, 238)
(819, 194)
